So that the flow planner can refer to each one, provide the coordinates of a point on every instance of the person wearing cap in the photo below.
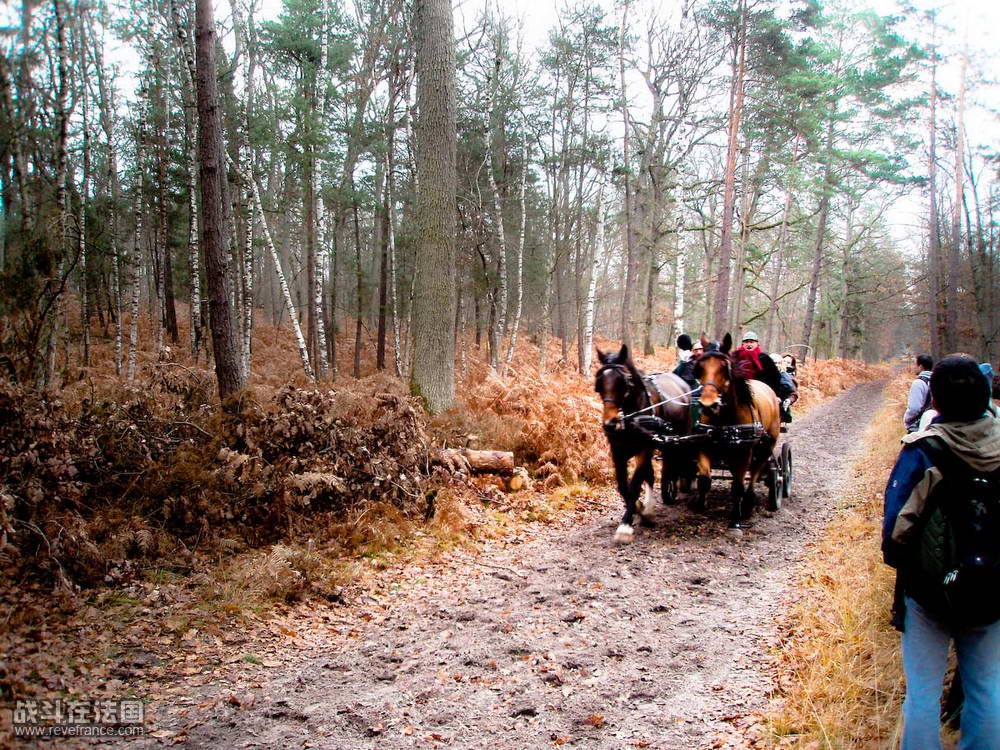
(747, 357)
(685, 369)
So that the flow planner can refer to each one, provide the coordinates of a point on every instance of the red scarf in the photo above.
(749, 361)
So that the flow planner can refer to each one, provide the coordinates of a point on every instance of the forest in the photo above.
(264, 264)
(644, 172)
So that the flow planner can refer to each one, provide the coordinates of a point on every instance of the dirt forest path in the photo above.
(560, 638)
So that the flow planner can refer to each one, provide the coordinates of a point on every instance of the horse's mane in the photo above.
(741, 387)
(740, 384)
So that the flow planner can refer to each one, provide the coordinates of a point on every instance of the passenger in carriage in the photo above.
(684, 344)
(753, 364)
(685, 370)
(747, 357)
(788, 389)
(791, 366)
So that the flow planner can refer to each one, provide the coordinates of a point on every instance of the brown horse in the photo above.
(626, 393)
(728, 399)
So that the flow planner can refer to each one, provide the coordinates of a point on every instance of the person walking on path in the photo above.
(919, 399)
(941, 531)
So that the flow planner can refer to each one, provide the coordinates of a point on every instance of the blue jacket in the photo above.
(913, 477)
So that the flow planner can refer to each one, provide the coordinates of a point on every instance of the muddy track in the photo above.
(561, 638)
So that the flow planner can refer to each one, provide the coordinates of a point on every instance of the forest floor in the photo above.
(553, 636)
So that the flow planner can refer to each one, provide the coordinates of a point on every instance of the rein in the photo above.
(665, 401)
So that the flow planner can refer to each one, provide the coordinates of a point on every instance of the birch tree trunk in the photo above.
(84, 195)
(680, 271)
(107, 119)
(519, 261)
(933, 227)
(54, 310)
(316, 298)
(631, 251)
(282, 282)
(954, 252)
(135, 261)
(390, 195)
(497, 332)
(360, 290)
(595, 269)
(779, 262)
(819, 242)
(181, 27)
(246, 278)
(736, 95)
(166, 257)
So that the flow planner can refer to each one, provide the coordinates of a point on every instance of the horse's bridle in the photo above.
(729, 370)
(629, 386)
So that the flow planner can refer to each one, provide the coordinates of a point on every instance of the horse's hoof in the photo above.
(735, 530)
(624, 534)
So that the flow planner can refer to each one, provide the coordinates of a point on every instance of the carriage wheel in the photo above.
(775, 485)
(786, 468)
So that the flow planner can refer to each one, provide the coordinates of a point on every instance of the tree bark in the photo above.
(215, 230)
(433, 374)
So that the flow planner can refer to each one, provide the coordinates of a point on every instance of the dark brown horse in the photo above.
(728, 399)
(627, 393)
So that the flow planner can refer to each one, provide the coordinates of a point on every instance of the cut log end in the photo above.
(480, 462)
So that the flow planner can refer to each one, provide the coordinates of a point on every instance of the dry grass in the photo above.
(838, 669)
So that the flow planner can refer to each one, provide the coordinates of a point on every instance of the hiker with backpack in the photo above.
(941, 531)
(919, 399)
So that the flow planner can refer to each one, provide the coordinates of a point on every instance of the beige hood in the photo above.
(977, 443)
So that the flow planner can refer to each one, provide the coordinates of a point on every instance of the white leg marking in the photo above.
(644, 505)
(624, 533)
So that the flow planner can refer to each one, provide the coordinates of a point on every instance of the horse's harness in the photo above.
(647, 381)
(730, 434)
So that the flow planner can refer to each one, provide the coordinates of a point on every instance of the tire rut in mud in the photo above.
(564, 638)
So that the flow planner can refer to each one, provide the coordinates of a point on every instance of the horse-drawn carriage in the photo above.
(726, 420)
(718, 440)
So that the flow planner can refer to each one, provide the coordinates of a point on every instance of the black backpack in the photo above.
(954, 567)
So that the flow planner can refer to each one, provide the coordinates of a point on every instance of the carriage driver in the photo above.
(747, 357)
